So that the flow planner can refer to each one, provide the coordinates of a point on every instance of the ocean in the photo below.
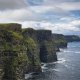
(66, 68)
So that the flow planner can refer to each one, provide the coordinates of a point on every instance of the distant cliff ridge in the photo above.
(71, 38)
(59, 40)
(23, 50)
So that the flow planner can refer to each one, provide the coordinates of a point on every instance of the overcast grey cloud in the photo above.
(12, 4)
(56, 15)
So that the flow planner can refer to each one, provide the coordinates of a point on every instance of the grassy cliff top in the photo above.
(10, 26)
(31, 30)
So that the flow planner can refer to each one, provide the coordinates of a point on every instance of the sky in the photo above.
(60, 16)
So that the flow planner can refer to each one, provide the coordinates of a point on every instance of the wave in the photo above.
(61, 60)
(45, 68)
(73, 46)
(27, 76)
(68, 51)
(50, 69)
(64, 50)
(57, 70)
(43, 65)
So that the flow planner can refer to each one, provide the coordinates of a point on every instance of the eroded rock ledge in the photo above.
(23, 50)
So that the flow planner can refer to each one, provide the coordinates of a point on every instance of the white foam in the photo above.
(50, 69)
(66, 66)
(43, 65)
(67, 51)
(44, 68)
(72, 46)
(62, 60)
(27, 76)
(57, 70)
(61, 49)
(64, 50)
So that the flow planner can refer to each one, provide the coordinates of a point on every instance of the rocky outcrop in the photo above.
(71, 38)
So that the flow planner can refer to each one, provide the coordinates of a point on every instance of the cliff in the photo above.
(47, 48)
(12, 52)
(18, 54)
(59, 40)
(23, 50)
(32, 46)
(43, 39)
(71, 38)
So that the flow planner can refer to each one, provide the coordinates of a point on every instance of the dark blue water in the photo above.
(67, 68)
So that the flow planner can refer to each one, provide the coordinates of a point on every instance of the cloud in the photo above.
(73, 26)
(31, 14)
(35, 2)
(51, 12)
(54, 15)
(18, 14)
(70, 6)
(63, 4)
(12, 4)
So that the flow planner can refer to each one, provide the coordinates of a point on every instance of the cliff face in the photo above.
(47, 48)
(43, 39)
(71, 38)
(22, 51)
(19, 54)
(32, 46)
(59, 40)
(12, 53)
